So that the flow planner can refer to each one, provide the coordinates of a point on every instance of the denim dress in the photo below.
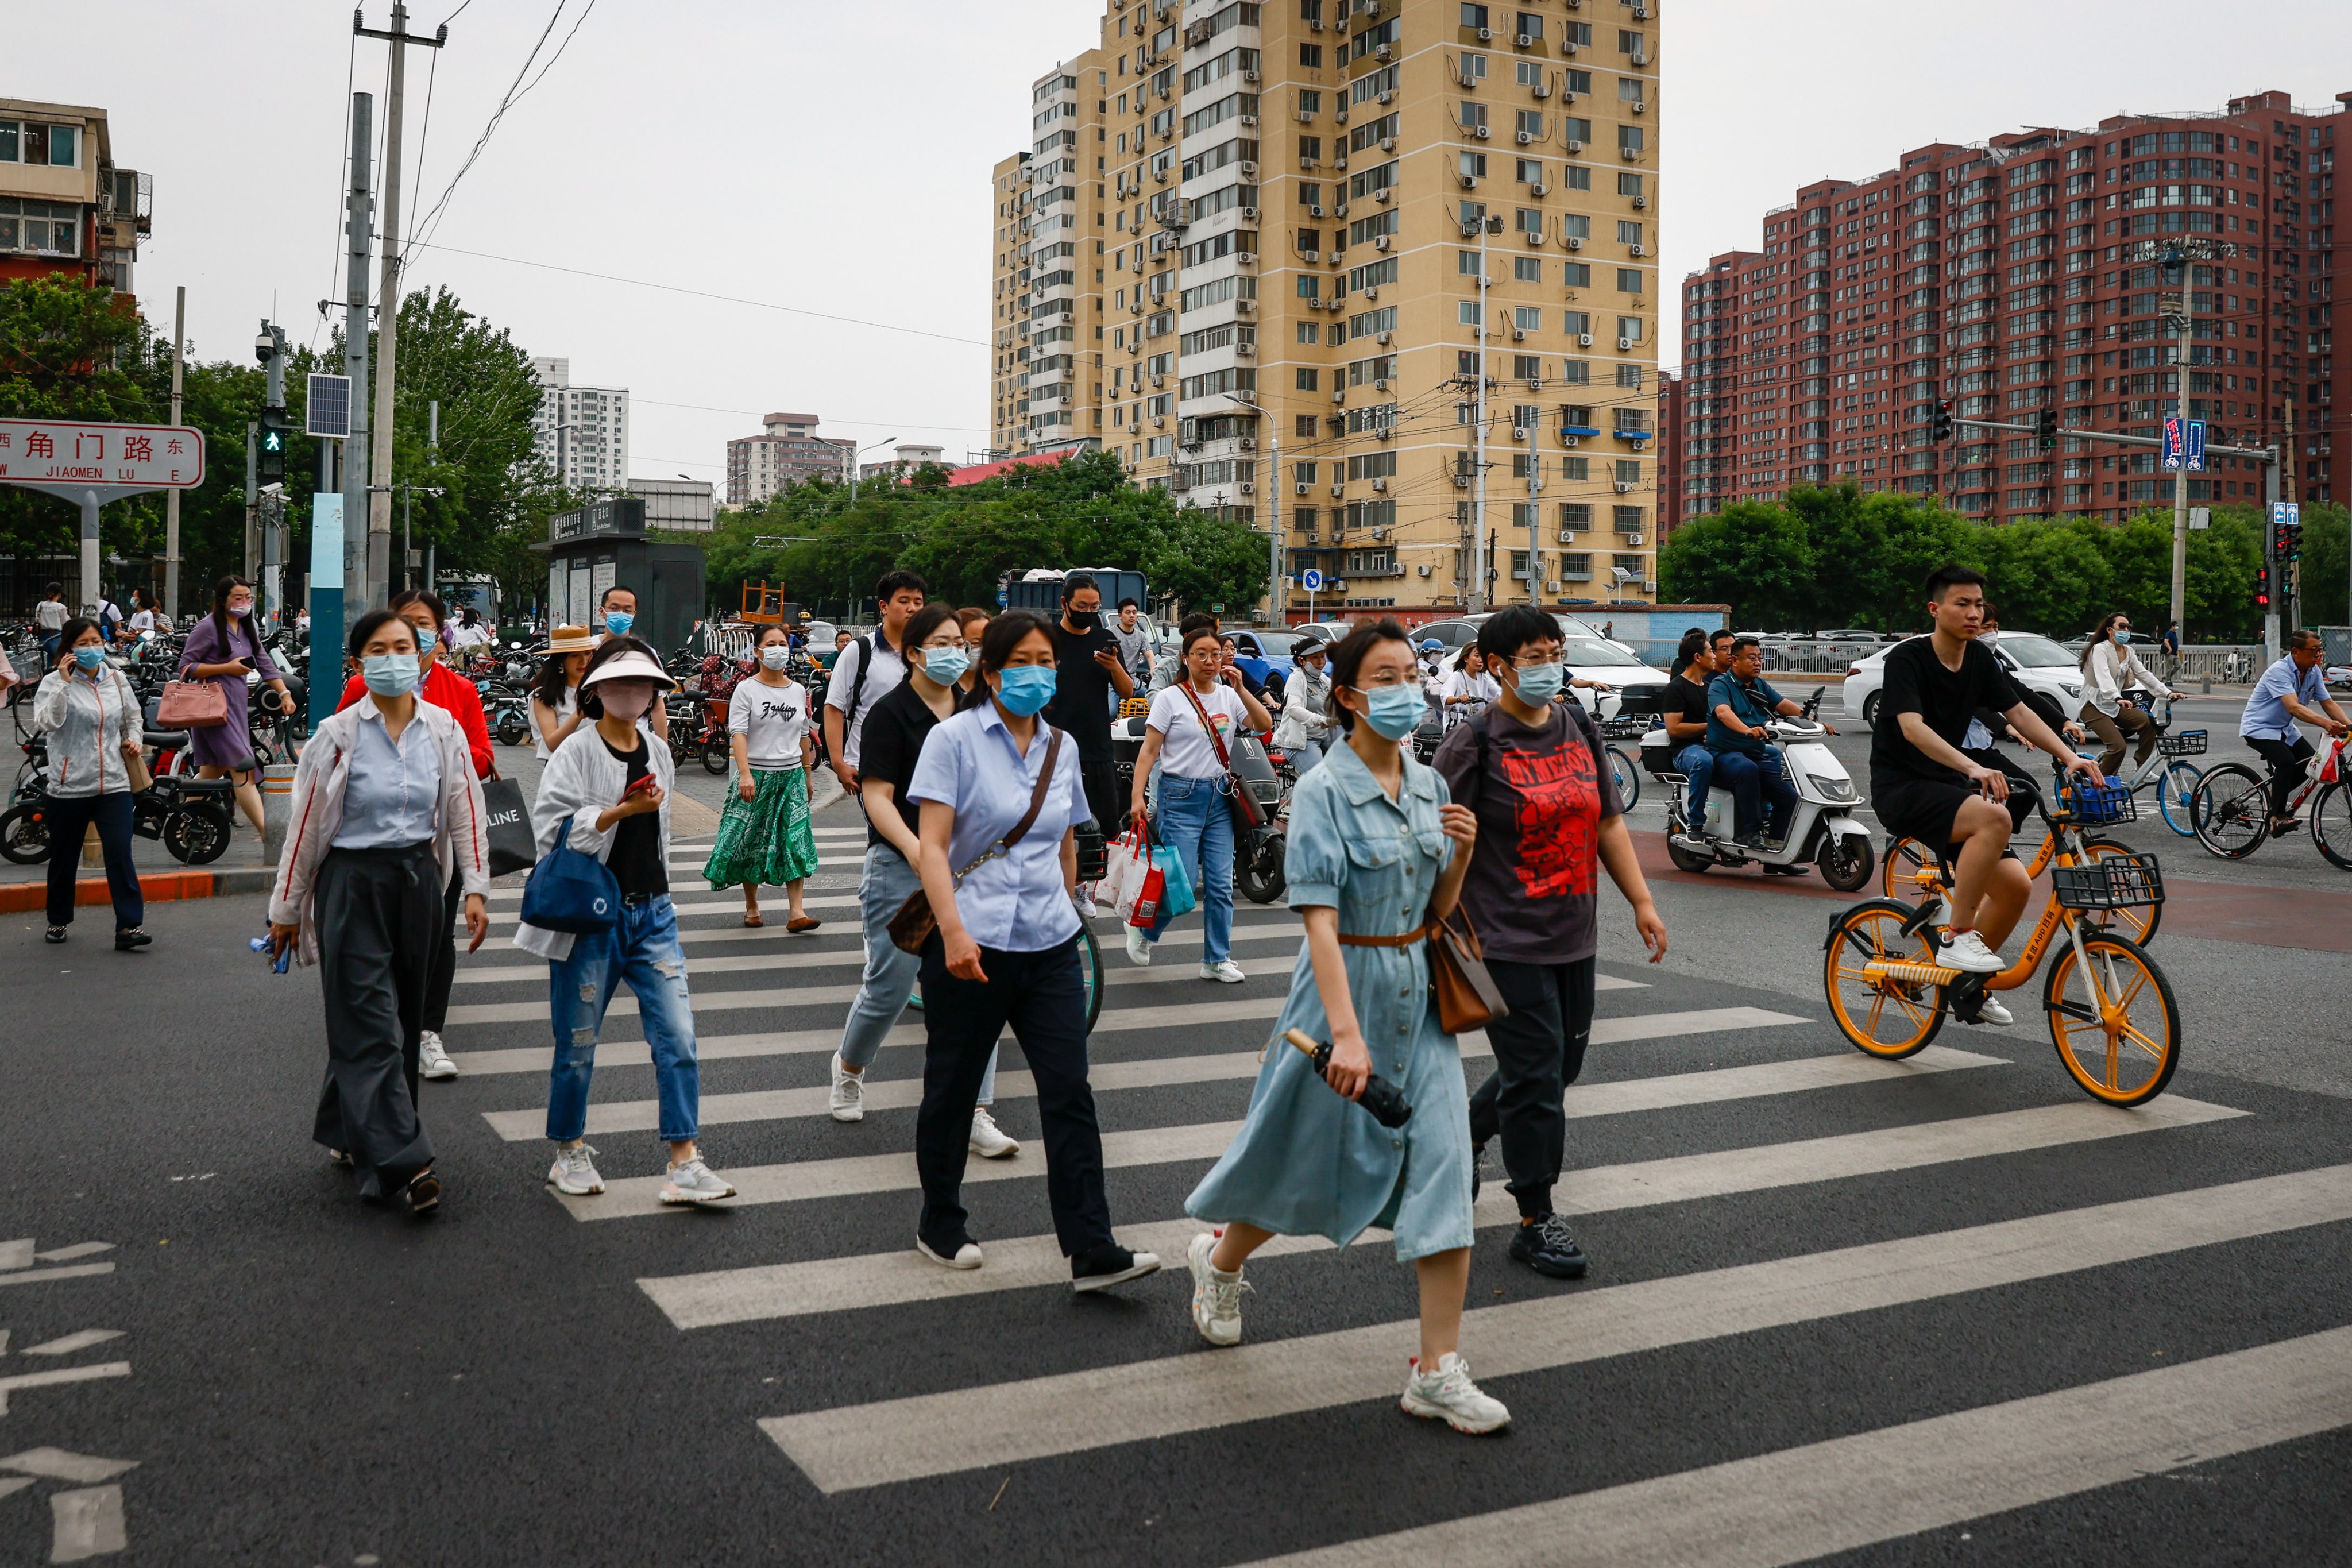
(1309, 1163)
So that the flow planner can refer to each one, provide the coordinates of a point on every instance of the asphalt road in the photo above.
(1947, 1310)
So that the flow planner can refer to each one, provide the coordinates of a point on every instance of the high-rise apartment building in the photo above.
(65, 207)
(787, 450)
(581, 433)
(1366, 272)
(2020, 274)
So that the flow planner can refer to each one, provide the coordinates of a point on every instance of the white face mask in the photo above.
(625, 700)
(775, 655)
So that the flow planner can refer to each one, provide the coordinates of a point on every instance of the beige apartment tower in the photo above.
(1371, 272)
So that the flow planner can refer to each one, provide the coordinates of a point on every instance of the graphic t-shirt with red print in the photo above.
(1540, 796)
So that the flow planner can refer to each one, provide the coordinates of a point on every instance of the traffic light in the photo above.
(269, 463)
(2286, 541)
(2262, 588)
(2045, 426)
(1942, 424)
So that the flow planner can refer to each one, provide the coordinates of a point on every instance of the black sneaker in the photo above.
(956, 1250)
(1477, 1158)
(1546, 1247)
(1100, 1268)
(129, 941)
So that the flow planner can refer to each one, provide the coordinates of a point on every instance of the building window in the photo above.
(1527, 269)
(1629, 329)
(1576, 274)
(25, 142)
(1307, 378)
(1628, 233)
(1627, 471)
(1629, 281)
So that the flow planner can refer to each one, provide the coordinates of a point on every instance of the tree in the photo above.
(1753, 555)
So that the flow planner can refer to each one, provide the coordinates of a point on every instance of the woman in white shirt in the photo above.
(555, 695)
(1469, 688)
(764, 835)
(1188, 735)
(2110, 668)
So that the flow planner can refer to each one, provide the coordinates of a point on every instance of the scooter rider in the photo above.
(1740, 706)
(1687, 713)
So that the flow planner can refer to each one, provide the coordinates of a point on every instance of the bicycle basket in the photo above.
(2116, 882)
(2187, 743)
(2096, 802)
(1624, 729)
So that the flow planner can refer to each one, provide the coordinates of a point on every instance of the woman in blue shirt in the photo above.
(1006, 951)
(1368, 864)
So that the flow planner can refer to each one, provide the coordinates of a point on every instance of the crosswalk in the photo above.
(1749, 1186)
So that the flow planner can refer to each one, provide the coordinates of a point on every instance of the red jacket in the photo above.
(454, 694)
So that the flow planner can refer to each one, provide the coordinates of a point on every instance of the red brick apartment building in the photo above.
(2015, 275)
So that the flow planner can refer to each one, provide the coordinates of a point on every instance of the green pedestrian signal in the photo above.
(2045, 427)
(269, 463)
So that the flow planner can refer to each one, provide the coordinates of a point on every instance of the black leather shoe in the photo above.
(1546, 1247)
(132, 940)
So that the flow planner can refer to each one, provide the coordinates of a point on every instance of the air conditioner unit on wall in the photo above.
(1623, 344)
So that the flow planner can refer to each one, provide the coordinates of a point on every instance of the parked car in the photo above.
(1641, 689)
(2031, 660)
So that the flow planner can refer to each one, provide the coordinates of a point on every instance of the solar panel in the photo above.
(329, 414)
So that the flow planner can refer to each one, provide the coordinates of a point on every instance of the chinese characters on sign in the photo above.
(64, 452)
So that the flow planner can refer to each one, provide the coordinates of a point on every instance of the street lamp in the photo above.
(852, 463)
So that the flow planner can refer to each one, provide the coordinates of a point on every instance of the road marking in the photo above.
(929, 1434)
(78, 1249)
(17, 1253)
(1665, 1181)
(79, 1341)
(1156, 1072)
(723, 1296)
(41, 1276)
(65, 1464)
(86, 1525)
(24, 1380)
(1851, 1492)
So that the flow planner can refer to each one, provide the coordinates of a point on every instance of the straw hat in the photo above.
(571, 640)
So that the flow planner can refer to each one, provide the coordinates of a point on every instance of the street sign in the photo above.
(2286, 511)
(1000, 598)
(69, 452)
(2201, 517)
(2175, 444)
(2196, 451)
(1311, 580)
(1216, 609)
(328, 415)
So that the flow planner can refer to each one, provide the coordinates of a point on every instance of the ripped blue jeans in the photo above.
(643, 949)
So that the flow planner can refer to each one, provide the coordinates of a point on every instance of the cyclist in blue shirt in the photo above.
(2290, 690)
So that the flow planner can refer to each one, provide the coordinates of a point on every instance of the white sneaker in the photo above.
(1216, 1295)
(1086, 899)
(1224, 970)
(1968, 952)
(965, 1256)
(1988, 1011)
(432, 1061)
(989, 1141)
(848, 1100)
(1138, 952)
(574, 1173)
(694, 1182)
(1449, 1396)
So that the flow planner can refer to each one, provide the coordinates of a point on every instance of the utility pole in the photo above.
(432, 459)
(358, 225)
(1275, 594)
(2181, 479)
(252, 498)
(172, 497)
(270, 493)
(1535, 516)
(1475, 600)
(379, 520)
(2286, 481)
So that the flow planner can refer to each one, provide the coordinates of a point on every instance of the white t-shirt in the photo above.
(51, 614)
(143, 620)
(1186, 753)
(562, 708)
(880, 667)
(468, 637)
(772, 719)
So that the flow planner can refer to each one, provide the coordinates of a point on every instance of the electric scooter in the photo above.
(1822, 831)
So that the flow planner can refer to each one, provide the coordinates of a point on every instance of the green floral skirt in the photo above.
(766, 840)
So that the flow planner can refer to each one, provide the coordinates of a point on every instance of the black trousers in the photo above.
(444, 973)
(374, 916)
(1099, 779)
(2289, 762)
(1043, 996)
(70, 818)
(1539, 1052)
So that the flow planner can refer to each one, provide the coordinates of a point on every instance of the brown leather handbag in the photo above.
(192, 705)
(1467, 997)
(912, 926)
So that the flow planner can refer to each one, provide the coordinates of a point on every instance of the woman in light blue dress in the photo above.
(1368, 863)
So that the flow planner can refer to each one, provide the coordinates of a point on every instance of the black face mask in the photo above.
(1084, 620)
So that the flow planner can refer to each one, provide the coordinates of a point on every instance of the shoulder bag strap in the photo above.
(1215, 740)
(857, 688)
(1036, 804)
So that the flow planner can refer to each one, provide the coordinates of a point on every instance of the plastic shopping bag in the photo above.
(1179, 898)
(1122, 883)
(1144, 912)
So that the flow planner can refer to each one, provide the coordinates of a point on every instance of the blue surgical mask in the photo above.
(1540, 683)
(1026, 687)
(89, 657)
(946, 665)
(1393, 711)
(389, 674)
(618, 622)
(2123, 636)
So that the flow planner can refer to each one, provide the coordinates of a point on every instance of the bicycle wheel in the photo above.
(1906, 862)
(2137, 921)
(2116, 1023)
(1628, 777)
(1090, 968)
(1890, 1016)
(2331, 824)
(2175, 786)
(2230, 810)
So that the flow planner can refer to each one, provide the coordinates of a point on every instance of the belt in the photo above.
(1348, 939)
(637, 901)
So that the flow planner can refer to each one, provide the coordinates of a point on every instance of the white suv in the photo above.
(2033, 661)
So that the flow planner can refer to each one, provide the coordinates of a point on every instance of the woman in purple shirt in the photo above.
(223, 648)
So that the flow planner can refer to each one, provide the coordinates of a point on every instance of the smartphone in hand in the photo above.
(642, 784)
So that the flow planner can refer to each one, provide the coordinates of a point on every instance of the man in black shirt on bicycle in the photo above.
(1923, 785)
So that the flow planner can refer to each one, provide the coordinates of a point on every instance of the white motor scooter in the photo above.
(1822, 831)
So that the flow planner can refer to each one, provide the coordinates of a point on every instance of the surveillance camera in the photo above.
(264, 346)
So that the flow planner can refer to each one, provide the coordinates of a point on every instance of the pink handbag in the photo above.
(192, 705)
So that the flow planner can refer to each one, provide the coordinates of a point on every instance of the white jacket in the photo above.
(580, 782)
(88, 720)
(461, 841)
(2112, 671)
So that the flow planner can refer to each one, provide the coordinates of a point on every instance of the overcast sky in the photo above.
(835, 158)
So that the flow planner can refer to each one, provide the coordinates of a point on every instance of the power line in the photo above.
(705, 294)
(497, 114)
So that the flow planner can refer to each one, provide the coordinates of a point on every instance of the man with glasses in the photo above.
(2291, 689)
(1740, 705)
(1531, 767)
